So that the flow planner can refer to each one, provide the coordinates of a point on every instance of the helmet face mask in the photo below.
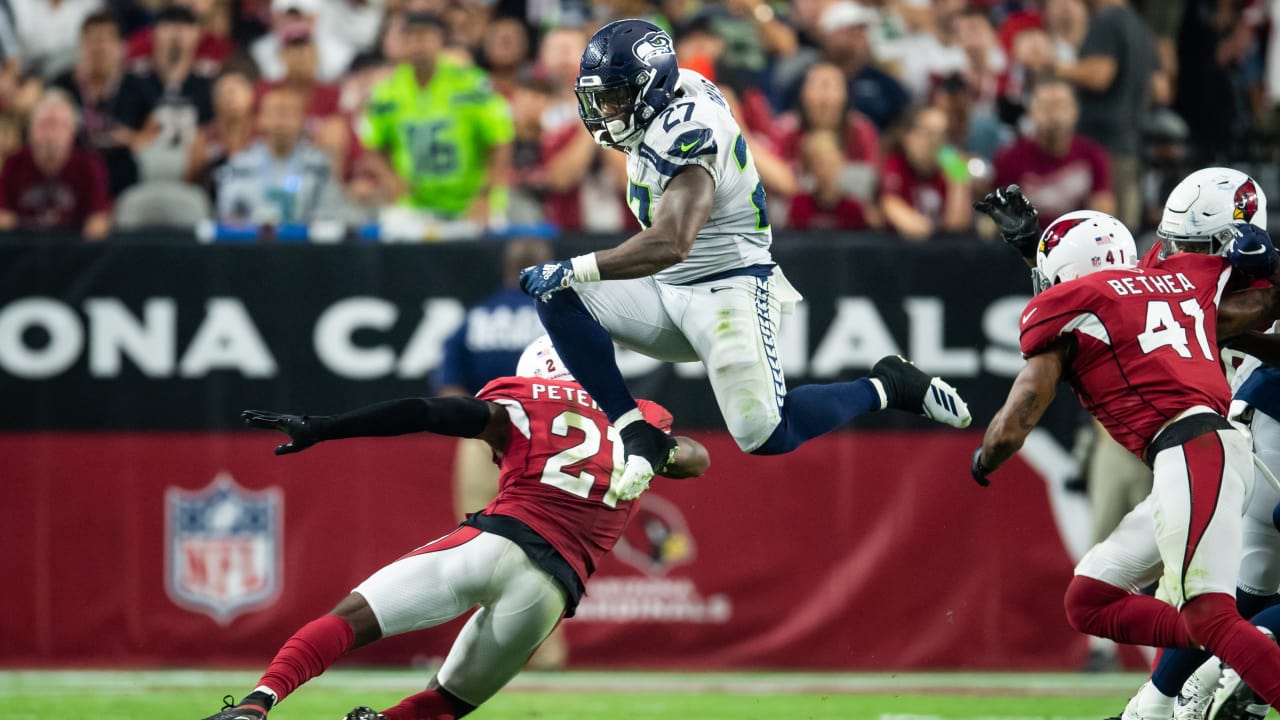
(606, 110)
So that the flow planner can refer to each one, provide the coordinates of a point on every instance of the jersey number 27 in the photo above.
(582, 483)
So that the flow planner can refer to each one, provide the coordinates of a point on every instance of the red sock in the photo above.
(426, 705)
(308, 653)
(1213, 621)
(1098, 608)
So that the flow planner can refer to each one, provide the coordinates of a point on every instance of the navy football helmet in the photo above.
(628, 75)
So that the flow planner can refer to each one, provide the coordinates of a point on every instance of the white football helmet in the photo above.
(540, 360)
(1083, 242)
(1202, 208)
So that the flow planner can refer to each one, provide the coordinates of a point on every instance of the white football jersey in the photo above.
(698, 129)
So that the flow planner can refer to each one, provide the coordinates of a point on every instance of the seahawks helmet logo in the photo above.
(1246, 201)
(653, 44)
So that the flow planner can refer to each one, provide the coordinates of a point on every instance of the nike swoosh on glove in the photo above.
(543, 281)
(1251, 251)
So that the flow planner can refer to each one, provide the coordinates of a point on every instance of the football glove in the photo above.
(976, 469)
(1015, 216)
(543, 281)
(1251, 251)
(301, 429)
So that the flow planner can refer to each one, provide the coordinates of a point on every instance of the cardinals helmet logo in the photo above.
(1246, 201)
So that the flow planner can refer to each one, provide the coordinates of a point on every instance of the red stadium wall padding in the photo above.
(862, 551)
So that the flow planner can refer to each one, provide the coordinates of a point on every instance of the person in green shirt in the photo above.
(441, 128)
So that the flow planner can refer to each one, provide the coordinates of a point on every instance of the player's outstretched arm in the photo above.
(692, 459)
(682, 211)
(453, 416)
(1029, 397)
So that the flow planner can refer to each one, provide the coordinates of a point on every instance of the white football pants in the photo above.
(730, 325)
(519, 606)
(1191, 523)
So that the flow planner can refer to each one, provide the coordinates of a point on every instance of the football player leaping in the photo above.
(1138, 345)
(698, 282)
(524, 559)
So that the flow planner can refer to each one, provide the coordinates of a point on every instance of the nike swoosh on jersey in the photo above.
(684, 148)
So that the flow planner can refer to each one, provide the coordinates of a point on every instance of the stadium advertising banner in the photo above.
(124, 368)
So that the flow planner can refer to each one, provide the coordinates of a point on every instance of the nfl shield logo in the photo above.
(223, 555)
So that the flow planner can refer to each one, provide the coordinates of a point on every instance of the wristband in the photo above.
(585, 268)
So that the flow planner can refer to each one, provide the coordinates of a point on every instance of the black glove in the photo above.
(1015, 216)
(977, 470)
(301, 429)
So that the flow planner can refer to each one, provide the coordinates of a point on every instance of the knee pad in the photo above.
(1084, 598)
(1205, 615)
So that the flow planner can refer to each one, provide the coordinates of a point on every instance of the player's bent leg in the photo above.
(583, 322)
(1103, 598)
(495, 643)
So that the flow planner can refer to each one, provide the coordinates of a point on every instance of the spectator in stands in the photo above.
(10, 136)
(442, 129)
(986, 62)
(924, 188)
(1032, 61)
(212, 46)
(824, 110)
(582, 182)
(52, 183)
(93, 84)
(825, 202)
(300, 59)
(163, 105)
(232, 129)
(281, 178)
(335, 54)
(777, 171)
(928, 48)
(971, 124)
(1113, 78)
(504, 52)
(1214, 93)
(847, 45)
(1057, 169)
(1067, 22)
(46, 32)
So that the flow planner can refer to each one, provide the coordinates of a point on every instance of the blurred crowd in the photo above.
(460, 114)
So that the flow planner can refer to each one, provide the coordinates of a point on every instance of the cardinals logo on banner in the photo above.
(224, 548)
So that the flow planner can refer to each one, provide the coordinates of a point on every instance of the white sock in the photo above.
(879, 386)
(1151, 699)
(268, 691)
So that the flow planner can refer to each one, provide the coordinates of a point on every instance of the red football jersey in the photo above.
(558, 466)
(1147, 342)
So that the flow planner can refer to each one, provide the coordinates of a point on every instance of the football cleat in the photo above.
(363, 713)
(1147, 704)
(648, 451)
(243, 711)
(1234, 699)
(907, 387)
(1197, 692)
